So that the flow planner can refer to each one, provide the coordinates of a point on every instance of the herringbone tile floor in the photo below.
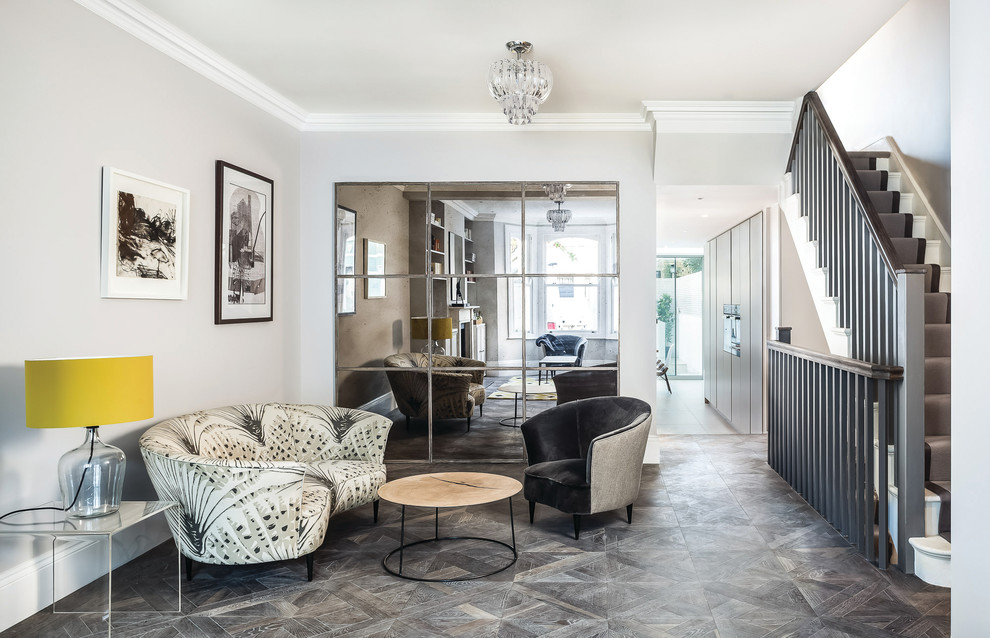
(719, 547)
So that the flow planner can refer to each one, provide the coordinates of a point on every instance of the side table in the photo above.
(59, 528)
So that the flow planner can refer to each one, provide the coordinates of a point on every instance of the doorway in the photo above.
(679, 314)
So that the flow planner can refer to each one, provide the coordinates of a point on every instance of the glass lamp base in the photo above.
(434, 348)
(91, 477)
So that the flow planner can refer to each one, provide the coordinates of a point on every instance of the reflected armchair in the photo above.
(455, 394)
(587, 383)
(586, 456)
(561, 351)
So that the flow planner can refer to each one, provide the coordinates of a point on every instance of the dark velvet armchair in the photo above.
(562, 346)
(586, 456)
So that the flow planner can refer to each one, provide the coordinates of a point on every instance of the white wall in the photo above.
(525, 155)
(797, 306)
(971, 307)
(897, 84)
(80, 94)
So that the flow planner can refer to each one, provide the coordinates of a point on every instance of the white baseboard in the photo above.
(27, 587)
(652, 455)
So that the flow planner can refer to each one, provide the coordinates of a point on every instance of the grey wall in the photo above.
(80, 94)
(379, 327)
(734, 274)
(897, 84)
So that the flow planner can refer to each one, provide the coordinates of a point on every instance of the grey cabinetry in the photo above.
(733, 276)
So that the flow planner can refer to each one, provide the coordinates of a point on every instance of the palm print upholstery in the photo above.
(455, 392)
(259, 482)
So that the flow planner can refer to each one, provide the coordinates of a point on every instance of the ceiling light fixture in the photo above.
(558, 217)
(520, 86)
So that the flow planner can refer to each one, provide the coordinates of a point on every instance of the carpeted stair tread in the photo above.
(897, 224)
(938, 414)
(938, 458)
(938, 339)
(933, 275)
(873, 180)
(866, 160)
(937, 307)
(938, 374)
(910, 250)
(885, 201)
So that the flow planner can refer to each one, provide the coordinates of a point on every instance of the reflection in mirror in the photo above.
(371, 391)
(475, 274)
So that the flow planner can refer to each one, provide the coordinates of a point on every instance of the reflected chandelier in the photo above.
(520, 86)
(558, 217)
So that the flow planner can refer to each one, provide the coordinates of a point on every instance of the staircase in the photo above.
(876, 259)
(907, 235)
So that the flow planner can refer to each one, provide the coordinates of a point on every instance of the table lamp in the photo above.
(443, 328)
(68, 393)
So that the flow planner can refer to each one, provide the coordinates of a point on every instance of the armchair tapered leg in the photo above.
(577, 526)
(374, 506)
(309, 566)
(481, 410)
(469, 423)
(532, 511)
(629, 513)
(189, 567)
(407, 423)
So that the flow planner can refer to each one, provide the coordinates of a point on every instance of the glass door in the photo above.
(679, 297)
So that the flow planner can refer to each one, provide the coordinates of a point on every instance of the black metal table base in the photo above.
(437, 538)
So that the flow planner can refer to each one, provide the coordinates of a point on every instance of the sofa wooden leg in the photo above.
(189, 567)
(629, 513)
(309, 566)
(577, 526)
(532, 511)
(374, 506)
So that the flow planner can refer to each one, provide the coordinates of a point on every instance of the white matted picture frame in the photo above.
(244, 285)
(145, 238)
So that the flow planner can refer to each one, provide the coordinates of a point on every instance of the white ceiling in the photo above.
(404, 58)
(432, 56)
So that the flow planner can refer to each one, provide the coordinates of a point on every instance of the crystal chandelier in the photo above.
(520, 86)
(558, 217)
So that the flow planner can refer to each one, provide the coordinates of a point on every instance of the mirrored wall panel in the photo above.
(460, 305)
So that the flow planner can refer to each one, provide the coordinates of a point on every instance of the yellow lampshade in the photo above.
(443, 328)
(71, 393)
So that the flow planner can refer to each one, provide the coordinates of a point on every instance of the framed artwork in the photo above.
(145, 239)
(244, 245)
(374, 264)
(345, 251)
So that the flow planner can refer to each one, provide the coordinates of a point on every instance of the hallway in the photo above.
(684, 411)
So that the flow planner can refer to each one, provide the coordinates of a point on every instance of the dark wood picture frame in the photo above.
(244, 245)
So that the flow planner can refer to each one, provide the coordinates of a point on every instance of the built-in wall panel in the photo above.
(756, 331)
(734, 275)
(723, 295)
(707, 326)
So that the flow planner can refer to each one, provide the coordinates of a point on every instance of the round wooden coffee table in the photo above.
(448, 489)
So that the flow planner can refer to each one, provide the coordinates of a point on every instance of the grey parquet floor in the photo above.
(719, 547)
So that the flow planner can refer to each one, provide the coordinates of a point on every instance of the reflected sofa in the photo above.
(259, 482)
(455, 393)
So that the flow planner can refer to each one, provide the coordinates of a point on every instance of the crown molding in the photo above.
(159, 34)
(348, 122)
(720, 116)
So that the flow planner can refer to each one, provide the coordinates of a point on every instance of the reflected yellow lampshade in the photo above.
(443, 328)
(71, 393)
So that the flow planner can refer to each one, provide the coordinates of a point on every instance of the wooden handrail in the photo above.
(887, 253)
(862, 368)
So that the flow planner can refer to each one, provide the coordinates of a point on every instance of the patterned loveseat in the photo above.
(455, 392)
(259, 482)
